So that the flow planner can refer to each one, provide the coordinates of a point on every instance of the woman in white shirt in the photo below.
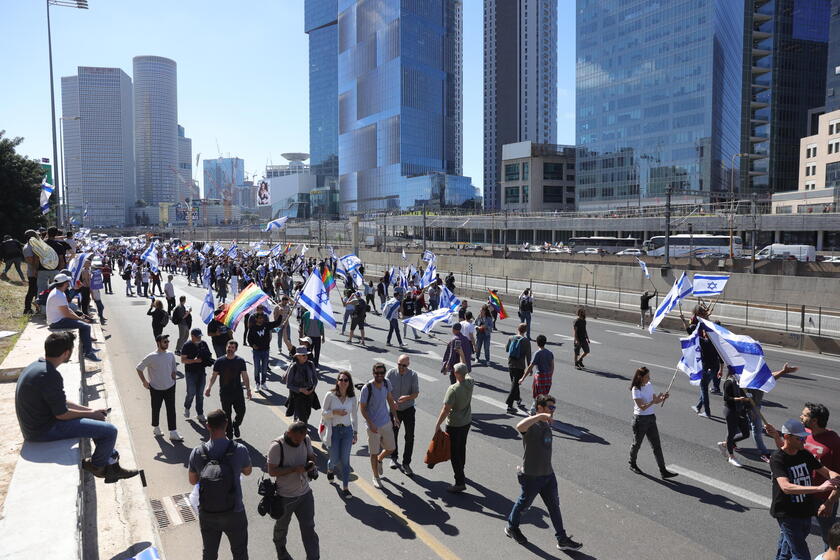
(340, 415)
(644, 420)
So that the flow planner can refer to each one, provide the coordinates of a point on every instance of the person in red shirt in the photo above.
(824, 445)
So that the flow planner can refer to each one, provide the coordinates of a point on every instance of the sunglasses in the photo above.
(551, 407)
(403, 365)
(343, 380)
(378, 373)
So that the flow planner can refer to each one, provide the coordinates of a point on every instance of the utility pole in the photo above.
(504, 249)
(668, 226)
(424, 227)
(754, 230)
(690, 245)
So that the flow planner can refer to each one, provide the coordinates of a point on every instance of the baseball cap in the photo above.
(196, 332)
(60, 279)
(795, 428)
(306, 340)
(301, 351)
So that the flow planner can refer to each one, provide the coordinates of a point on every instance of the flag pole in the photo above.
(668, 390)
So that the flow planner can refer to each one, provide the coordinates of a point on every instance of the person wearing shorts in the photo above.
(379, 410)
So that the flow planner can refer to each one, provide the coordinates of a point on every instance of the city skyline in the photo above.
(235, 96)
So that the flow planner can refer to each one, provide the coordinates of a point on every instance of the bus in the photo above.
(610, 245)
(698, 244)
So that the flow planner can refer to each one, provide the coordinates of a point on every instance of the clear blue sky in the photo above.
(242, 70)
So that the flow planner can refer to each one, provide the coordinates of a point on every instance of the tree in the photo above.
(20, 189)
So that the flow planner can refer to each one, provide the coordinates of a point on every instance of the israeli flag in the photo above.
(350, 265)
(403, 281)
(303, 249)
(217, 248)
(392, 278)
(744, 355)
(428, 276)
(428, 256)
(427, 321)
(46, 192)
(206, 248)
(276, 250)
(233, 251)
(680, 290)
(208, 306)
(644, 267)
(691, 362)
(150, 256)
(77, 266)
(403, 256)
(206, 277)
(276, 224)
(316, 299)
(709, 284)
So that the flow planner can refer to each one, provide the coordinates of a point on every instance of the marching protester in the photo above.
(161, 384)
(391, 313)
(232, 374)
(536, 474)
(736, 411)
(526, 309)
(405, 388)
(182, 318)
(409, 309)
(159, 317)
(484, 330)
(281, 316)
(542, 366)
(644, 421)
(581, 338)
(458, 350)
(169, 291)
(219, 333)
(369, 295)
(96, 285)
(357, 320)
(216, 466)
(712, 364)
(518, 348)
(457, 412)
(196, 357)
(644, 306)
(468, 330)
(340, 414)
(824, 445)
(301, 380)
(378, 408)
(259, 339)
(314, 330)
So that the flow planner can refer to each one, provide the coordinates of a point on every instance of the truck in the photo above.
(780, 251)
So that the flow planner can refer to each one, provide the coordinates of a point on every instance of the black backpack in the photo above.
(217, 486)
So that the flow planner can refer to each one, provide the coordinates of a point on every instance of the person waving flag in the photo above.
(316, 299)
(497, 303)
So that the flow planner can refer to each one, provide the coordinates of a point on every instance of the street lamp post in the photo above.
(82, 5)
(732, 204)
(668, 226)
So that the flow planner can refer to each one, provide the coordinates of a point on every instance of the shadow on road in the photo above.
(703, 496)
(420, 511)
(172, 452)
(481, 425)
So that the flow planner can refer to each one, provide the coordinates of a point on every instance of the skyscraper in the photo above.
(520, 81)
(186, 186)
(321, 24)
(97, 119)
(156, 128)
(400, 104)
(832, 81)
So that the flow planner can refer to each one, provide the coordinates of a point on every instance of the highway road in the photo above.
(711, 510)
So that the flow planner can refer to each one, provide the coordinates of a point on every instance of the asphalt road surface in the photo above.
(711, 510)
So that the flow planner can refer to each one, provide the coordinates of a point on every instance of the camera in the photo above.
(266, 487)
(311, 472)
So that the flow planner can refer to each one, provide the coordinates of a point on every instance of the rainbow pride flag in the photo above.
(248, 299)
(327, 278)
(497, 303)
(287, 249)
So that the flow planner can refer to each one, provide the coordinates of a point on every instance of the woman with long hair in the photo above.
(340, 413)
(159, 317)
(483, 330)
(736, 410)
(644, 420)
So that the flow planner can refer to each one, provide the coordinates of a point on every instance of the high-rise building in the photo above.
(186, 185)
(832, 80)
(400, 104)
(321, 25)
(520, 81)
(222, 176)
(156, 128)
(97, 121)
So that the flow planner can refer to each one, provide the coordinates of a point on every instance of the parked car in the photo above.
(632, 252)
(592, 251)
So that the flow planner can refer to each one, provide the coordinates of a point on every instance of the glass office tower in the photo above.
(659, 90)
(321, 24)
(400, 104)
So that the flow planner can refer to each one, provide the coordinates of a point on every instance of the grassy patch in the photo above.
(11, 313)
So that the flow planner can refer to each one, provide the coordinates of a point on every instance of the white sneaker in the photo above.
(702, 414)
(264, 388)
(734, 462)
(202, 419)
(377, 483)
(175, 436)
(157, 431)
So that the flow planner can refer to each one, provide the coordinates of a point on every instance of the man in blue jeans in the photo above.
(536, 476)
(60, 316)
(196, 356)
(45, 414)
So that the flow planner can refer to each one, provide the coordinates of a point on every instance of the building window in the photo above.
(784, 209)
(553, 171)
(525, 193)
(552, 194)
(511, 172)
(525, 167)
(511, 195)
(832, 174)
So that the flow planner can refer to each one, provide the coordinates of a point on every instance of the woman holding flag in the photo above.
(644, 421)
(736, 410)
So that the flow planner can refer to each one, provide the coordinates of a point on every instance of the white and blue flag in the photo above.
(150, 256)
(277, 224)
(448, 299)
(691, 362)
(206, 277)
(233, 251)
(208, 306)
(77, 266)
(644, 267)
(744, 355)
(316, 299)
(427, 321)
(276, 250)
(709, 284)
(349, 265)
(206, 248)
(679, 291)
(428, 276)
(46, 192)
(428, 256)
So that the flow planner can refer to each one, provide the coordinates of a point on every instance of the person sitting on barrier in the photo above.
(60, 316)
(45, 414)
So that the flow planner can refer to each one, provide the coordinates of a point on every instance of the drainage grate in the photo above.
(184, 507)
(160, 514)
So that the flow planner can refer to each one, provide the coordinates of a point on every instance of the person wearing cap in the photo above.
(301, 379)
(161, 384)
(793, 504)
(196, 356)
(60, 316)
(32, 262)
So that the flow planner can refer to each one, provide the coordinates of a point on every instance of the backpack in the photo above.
(176, 317)
(217, 488)
(369, 386)
(515, 347)
(165, 319)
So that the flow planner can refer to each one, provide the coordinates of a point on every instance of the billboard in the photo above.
(264, 194)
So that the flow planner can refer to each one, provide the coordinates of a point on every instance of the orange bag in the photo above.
(440, 449)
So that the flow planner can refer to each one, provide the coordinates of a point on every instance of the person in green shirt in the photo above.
(457, 412)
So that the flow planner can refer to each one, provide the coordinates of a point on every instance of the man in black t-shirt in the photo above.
(791, 468)
(196, 356)
(231, 371)
(219, 334)
(581, 338)
(645, 306)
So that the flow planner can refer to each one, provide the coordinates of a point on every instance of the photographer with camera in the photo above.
(216, 467)
(292, 461)
(196, 356)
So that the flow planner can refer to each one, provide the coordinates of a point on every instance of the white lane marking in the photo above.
(654, 365)
(490, 400)
(393, 365)
(763, 501)
(567, 337)
(629, 334)
(494, 343)
(826, 376)
(434, 355)
(342, 344)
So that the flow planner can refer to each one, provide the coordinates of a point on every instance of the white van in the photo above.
(804, 253)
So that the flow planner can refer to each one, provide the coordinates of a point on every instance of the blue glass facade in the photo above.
(321, 24)
(221, 175)
(659, 90)
(832, 85)
(399, 103)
